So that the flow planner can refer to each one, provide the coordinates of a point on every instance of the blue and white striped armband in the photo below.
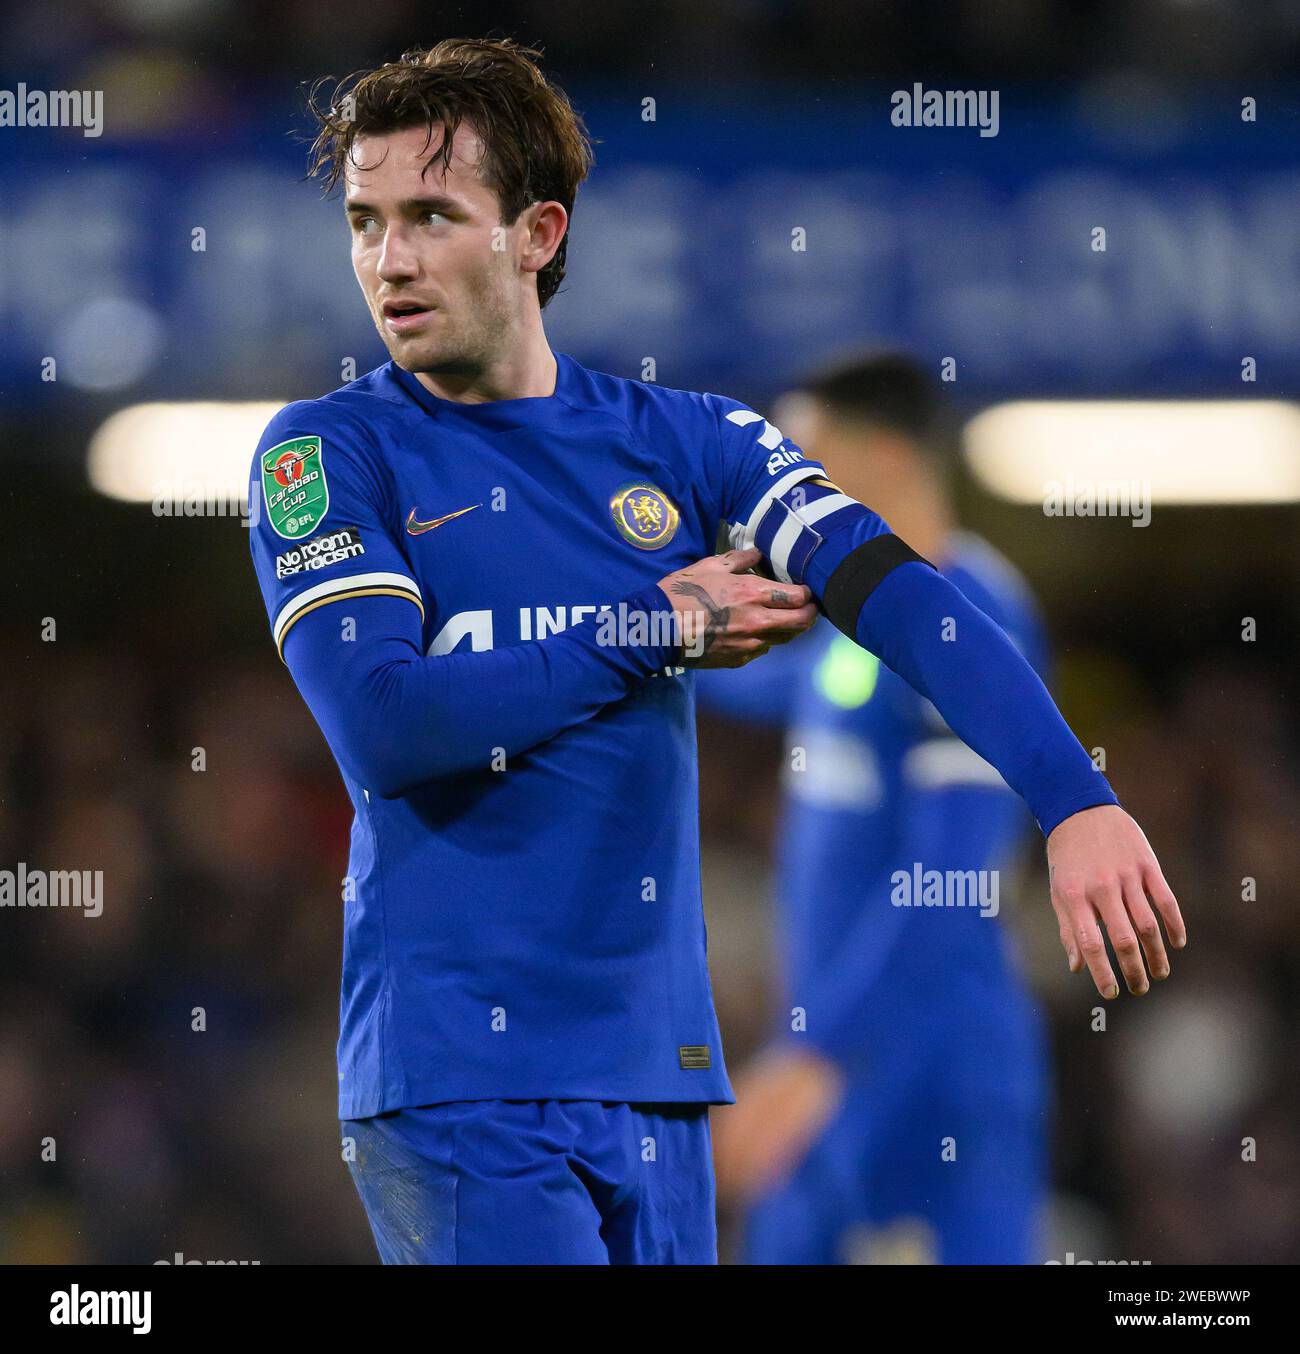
(792, 519)
(804, 513)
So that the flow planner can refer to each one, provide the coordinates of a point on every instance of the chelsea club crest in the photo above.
(644, 515)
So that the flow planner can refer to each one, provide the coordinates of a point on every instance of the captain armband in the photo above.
(798, 517)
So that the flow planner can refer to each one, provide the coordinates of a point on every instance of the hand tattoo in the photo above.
(718, 615)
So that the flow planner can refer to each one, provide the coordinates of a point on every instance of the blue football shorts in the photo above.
(537, 1182)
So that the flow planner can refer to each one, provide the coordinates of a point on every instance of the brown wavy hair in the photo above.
(536, 148)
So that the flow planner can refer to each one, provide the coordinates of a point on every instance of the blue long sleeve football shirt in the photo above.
(466, 596)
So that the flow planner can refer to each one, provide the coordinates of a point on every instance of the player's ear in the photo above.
(544, 224)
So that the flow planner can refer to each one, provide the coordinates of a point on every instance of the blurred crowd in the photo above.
(177, 1049)
(167, 1082)
(166, 1069)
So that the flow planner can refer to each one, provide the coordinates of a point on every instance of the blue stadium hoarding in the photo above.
(730, 243)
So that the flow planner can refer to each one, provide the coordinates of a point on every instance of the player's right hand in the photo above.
(784, 1099)
(730, 616)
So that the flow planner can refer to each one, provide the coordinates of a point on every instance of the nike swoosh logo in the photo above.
(417, 528)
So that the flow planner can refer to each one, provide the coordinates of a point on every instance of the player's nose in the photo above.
(396, 258)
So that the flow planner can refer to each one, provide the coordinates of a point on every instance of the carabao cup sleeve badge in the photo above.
(645, 516)
(293, 485)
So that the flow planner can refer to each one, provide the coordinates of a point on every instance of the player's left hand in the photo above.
(1104, 873)
(729, 615)
(783, 1100)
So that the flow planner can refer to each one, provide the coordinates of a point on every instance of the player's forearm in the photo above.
(396, 718)
(926, 630)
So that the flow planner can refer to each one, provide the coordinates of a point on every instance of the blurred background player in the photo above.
(899, 1112)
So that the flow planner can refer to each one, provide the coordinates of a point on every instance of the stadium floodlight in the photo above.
(1181, 451)
(179, 456)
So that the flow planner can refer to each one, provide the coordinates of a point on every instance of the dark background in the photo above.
(223, 1144)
